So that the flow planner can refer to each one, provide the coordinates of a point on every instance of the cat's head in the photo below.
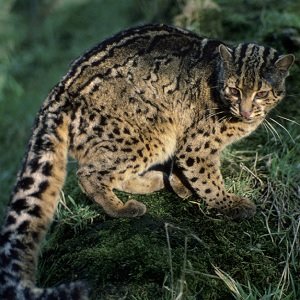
(252, 79)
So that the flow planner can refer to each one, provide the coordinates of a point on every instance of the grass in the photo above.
(178, 250)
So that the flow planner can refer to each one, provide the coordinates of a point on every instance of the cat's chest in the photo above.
(230, 132)
(210, 138)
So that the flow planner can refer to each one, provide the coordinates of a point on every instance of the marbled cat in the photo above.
(148, 97)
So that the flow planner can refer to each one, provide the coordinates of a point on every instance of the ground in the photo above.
(178, 250)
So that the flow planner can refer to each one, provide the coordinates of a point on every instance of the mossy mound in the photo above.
(152, 255)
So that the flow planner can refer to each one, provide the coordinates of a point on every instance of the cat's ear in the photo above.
(284, 62)
(225, 53)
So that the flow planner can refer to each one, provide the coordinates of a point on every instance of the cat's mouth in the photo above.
(243, 116)
(248, 121)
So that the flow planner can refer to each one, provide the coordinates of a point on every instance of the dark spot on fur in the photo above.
(35, 236)
(98, 130)
(127, 150)
(19, 245)
(10, 220)
(190, 161)
(43, 186)
(202, 170)
(140, 152)
(223, 128)
(19, 205)
(5, 260)
(126, 131)
(34, 164)
(189, 149)
(194, 179)
(4, 238)
(207, 191)
(104, 172)
(36, 211)
(2, 280)
(25, 183)
(213, 151)
(103, 121)
(76, 292)
(47, 169)
(9, 293)
(92, 116)
(79, 147)
(15, 267)
(116, 131)
(23, 227)
(134, 141)
(206, 145)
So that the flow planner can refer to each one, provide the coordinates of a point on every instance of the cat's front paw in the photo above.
(178, 187)
(132, 209)
(241, 208)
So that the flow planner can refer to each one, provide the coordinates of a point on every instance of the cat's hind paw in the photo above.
(242, 208)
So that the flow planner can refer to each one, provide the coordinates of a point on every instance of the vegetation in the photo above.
(178, 250)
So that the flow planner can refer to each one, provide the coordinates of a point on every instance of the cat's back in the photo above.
(134, 55)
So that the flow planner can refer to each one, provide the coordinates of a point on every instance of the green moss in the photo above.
(121, 256)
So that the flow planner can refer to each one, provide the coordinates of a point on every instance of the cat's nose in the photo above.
(245, 114)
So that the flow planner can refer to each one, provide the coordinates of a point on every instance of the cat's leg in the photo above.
(205, 178)
(175, 181)
(153, 181)
(146, 183)
(98, 184)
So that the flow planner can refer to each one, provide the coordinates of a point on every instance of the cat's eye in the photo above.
(234, 91)
(262, 94)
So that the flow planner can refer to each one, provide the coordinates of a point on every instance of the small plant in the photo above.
(74, 213)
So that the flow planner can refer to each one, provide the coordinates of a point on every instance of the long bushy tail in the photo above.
(33, 205)
(72, 291)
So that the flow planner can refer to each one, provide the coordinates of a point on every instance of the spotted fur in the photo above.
(146, 97)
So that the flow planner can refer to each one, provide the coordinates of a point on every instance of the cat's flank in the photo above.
(144, 97)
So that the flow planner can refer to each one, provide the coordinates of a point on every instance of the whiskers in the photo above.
(275, 133)
(283, 129)
(270, 128)
(216, 112)
(293, 95)
(289, 120)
